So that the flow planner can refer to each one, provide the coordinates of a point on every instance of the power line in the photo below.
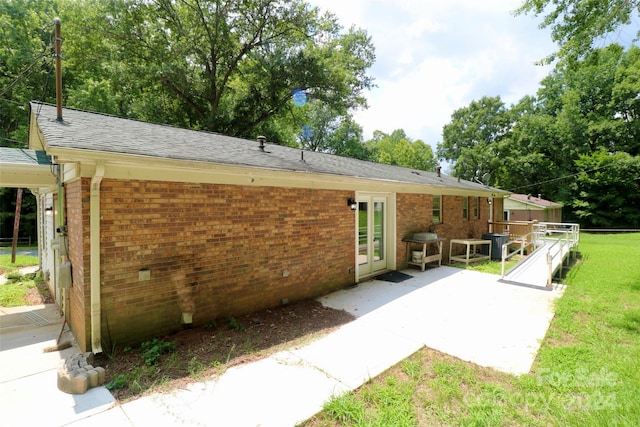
(559, 178)
(23, 74)
(27, 70)
(12, 140)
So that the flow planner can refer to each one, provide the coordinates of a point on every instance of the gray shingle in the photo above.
(102, 133)
(19, 156)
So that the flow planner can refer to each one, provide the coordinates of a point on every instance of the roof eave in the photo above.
(127, 166)
(26, 176)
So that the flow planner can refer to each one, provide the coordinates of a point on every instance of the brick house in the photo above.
(154, 226)
(523, 207)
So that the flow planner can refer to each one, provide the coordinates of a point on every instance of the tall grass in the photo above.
(587, 372)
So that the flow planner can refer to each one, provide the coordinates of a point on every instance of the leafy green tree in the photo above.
(625, 101)
(605, 193)
(472, 139)
(324, 129)
(398, 149)
(522, 160)
(541, 144)
(224, 65)
(576, 24)
(347, 140)
(26, 31)
(596, 103)
(26, 73)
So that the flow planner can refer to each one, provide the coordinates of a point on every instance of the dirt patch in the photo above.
(39, 295)
(191, 355)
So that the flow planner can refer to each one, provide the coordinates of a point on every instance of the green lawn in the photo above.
(13, 293)
(491, 267)
(587, 372)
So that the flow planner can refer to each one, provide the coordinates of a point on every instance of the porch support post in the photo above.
(94, 225)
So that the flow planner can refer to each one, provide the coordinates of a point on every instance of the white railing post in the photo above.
(504, 256)
(550, 265)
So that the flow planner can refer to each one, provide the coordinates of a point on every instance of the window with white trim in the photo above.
(436, 216)
(476, 207)
(465, 208)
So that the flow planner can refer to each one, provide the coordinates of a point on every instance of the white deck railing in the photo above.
(563, 237)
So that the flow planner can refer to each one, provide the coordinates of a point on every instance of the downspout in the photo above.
(94, 226)
(490, 201)
(61, 255)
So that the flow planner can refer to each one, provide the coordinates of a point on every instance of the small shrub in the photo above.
(235, 324)
(153, 349)
(118, 382)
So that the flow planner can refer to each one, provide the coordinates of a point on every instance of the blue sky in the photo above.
(434, 57)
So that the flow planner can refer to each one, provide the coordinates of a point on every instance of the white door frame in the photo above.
(388, 243)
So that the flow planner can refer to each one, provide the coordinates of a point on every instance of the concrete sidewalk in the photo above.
(463, 313)
(28, 376)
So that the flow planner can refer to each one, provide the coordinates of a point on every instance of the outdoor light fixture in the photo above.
(48, 210)
(490, 200)
(352, 204)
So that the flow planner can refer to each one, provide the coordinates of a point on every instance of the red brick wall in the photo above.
(216, 251)
(77, 212)
(414, 214)
(221, 250)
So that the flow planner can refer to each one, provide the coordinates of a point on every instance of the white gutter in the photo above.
(94, 226)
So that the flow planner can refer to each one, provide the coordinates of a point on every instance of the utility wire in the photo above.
(559, 178)
(12, 140)
(26, 71)
(23, 74)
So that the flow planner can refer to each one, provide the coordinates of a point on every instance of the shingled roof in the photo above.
(94, 132)
(19, 156)
(21, 168)
(536, 201)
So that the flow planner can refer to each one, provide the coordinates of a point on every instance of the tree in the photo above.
(398, 149)
(26, 73)
(347, 140)
(323, 129)
(625, 100)
(471, 139)
(541, 144)
(605, 193)
(523, 158)
(576, 24)
(26, 29)
(225, 66)
(596, 103)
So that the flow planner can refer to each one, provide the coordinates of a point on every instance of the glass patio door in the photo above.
(372, 233)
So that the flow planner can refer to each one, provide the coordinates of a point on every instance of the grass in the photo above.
(15, 291)
(586, 372)
(7, 267)
(491, 267)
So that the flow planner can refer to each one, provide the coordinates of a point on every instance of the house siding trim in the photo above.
(185, 172)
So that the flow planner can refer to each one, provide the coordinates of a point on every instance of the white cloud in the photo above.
(435, 57)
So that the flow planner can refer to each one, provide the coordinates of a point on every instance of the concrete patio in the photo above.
(467, 314)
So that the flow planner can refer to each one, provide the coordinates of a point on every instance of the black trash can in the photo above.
(497, 240)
